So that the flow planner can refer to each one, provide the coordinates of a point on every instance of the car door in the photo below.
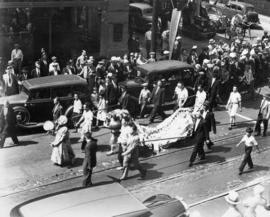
(40, 105)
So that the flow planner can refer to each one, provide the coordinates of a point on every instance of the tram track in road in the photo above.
(144, 160)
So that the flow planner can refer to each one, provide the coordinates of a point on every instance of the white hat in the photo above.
(197, 66)
(109, 75)
(245, 52)
(258, 189)
(194, 47)
(212, 41)
(48, 125)
(233, 55)
(178, 37)
(255, 45)
(210, 65)
(113, 58)
(206, 61)
(62, 120)
(232, 198)
(166, 52)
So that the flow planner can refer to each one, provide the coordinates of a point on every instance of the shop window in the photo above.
(117, 32)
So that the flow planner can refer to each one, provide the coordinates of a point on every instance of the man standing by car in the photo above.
(90, 159)
(157, 97)
(213, 89)
(8, 124)
(263, 116)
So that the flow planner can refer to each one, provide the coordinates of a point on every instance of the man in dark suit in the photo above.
(213, 89)
(210, 122)
(44, 65)
(8, 124)
(157, 98)
(36, 72)
(204, 55)
(201, 136)
(90, 159)
(111, 93)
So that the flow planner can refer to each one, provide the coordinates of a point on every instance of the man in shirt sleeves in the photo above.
(17, 58)
(181, 94)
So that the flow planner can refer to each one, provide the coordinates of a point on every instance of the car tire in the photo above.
(22, 115)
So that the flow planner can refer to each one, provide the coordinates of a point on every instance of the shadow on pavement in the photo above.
(222, 149)
(103, 148)
(257, 168)
(211, 159)
(77, 162)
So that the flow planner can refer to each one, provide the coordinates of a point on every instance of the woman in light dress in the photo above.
(233, 104)
(62, 152)
(101, 113)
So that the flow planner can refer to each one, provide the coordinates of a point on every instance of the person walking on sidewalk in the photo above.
(263, 116)
(90, 159)
(233, 200)
(233, 104)
(250, 142)
(131, 154)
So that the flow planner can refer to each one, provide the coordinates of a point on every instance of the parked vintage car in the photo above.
(109, 200)
(140, 16)
(216, 16)
(34, 104)
(171, 71)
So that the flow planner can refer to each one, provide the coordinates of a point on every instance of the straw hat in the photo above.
(48, 125)
(62, 120)
(232, 198)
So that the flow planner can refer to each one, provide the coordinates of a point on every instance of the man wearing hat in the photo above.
(263, 115)
(177, 46)
(90, 159)
(233, 200)
(249, 142)
(17, 58)
(36, 72)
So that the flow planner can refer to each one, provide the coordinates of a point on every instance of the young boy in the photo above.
(250, 142)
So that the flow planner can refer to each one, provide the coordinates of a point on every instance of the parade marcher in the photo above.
(17, 58)
(233, 200)
(158, 98)
(210, 122)
(90, 159)
(248, 79)
(102, 110)
(255, 201)
(249, 142)
(201, 134)
(7, 124)
(213, 89)
(57, 109)
(62, 152)
(131, 154)
(233, 104)
(181, 95)
(144, 98)
(263, 116)
(85, 123)
(77, 109)
(200, 99)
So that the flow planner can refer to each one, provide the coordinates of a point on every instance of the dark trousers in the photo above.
(157, 110)
(87, 177)
(10, 134)
(83, 144)
(258, 125)
(247, 159)
(119, 155)
(197, 150)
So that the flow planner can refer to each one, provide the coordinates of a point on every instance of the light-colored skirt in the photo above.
(233, 109)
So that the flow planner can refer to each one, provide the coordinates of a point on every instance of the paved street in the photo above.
(30, 173)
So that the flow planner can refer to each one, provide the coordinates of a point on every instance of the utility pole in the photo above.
(154, 26)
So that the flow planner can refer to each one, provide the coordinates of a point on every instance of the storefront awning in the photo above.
(51, 4)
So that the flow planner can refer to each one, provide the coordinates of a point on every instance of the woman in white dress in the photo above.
(62, 152)
(101, 113)
(233, 104)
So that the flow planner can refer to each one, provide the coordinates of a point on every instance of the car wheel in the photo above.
(22, 115)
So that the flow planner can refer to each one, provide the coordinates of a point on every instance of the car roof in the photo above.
(101, 201)
(53, 81)
(162, 66)
(142, 6)
(242, 4)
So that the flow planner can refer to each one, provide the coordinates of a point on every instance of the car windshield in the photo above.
(147, 11)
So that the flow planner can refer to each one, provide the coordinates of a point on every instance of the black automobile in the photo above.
(170, 71)
(110, 200)
(34, 104)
